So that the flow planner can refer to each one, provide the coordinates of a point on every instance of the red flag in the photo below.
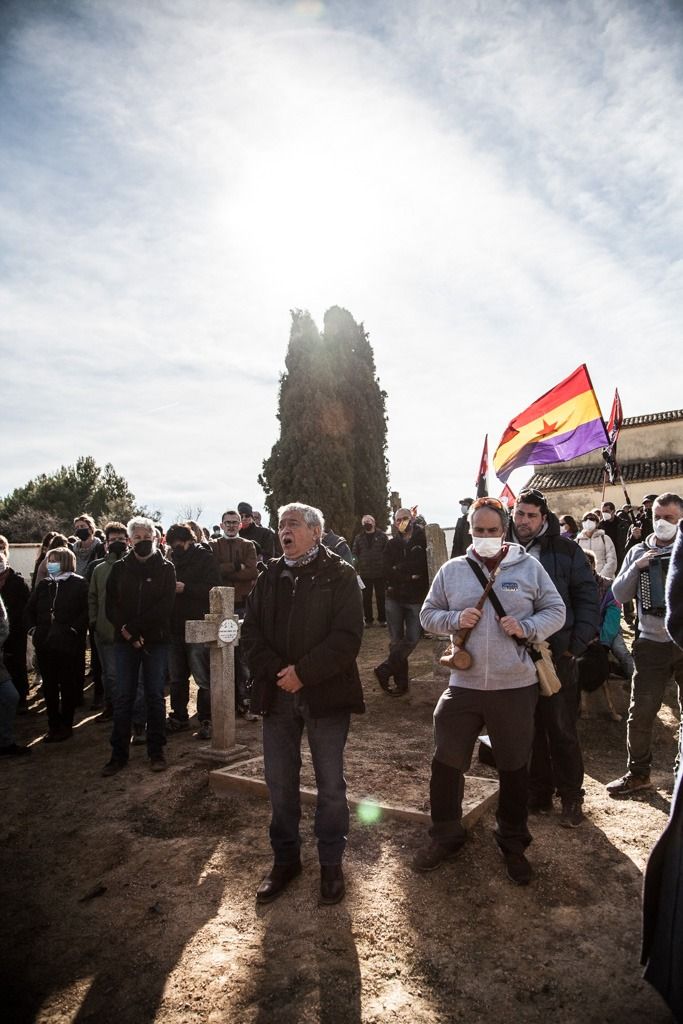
(609, 453)
(481, 482)
(507, 497)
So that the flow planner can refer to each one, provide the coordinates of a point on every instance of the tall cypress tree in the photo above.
(332, 445)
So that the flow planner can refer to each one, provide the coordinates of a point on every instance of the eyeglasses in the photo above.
(486, 503)
(231, 522)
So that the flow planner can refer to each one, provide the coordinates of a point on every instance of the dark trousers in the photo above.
(656, 666)
(379, 586)
(152, 661)
(459, 717)
(14, 654)
(283, 728)
(60, 673)
(556, 759)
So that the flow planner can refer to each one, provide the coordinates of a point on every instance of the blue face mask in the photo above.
(54, 568)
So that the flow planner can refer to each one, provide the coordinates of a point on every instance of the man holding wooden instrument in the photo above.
(498, 690)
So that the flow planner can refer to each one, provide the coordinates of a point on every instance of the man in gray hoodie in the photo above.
(657, 658)
(499, 690)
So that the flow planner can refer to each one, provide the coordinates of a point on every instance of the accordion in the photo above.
(652, 586)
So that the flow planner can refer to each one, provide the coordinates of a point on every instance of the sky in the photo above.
(493, 189)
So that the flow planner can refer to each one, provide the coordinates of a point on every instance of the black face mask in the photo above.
(178, 553)
(117, 547)
(82, 533)
(143, 548)
(368, 527)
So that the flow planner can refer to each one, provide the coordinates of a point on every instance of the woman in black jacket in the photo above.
(57, 614)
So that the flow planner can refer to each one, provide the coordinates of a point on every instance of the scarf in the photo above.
(305, 559)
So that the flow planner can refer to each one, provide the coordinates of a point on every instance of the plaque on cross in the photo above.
(219, 629)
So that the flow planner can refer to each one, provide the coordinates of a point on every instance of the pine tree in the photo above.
(331, 450)
(51, 501)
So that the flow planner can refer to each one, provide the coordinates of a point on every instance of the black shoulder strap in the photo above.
(493, 598)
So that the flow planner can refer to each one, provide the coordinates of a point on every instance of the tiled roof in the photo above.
(653, 417)
(591, 476)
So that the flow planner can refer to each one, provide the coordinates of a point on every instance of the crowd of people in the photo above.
(517, 580)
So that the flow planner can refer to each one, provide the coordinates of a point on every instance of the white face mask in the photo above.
(487, 547)
(607, 516)
(589, 525)
(664, 530)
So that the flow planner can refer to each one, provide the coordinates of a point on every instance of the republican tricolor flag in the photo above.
(564, 423)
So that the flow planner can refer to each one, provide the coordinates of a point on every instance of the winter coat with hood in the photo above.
(310, 617)
(568, 568)
(604, 550)
(525, 592)
(64, 600)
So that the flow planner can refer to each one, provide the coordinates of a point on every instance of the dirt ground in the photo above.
(131, 899)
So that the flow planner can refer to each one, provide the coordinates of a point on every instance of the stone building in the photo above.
(650, 455)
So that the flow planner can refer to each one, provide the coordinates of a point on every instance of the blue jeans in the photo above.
(9, 698)
(108, 660)
(403, 622)
(153, 661)
(185, 660)
(282, 731)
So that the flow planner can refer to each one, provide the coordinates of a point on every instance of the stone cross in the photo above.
(220, 630)
(437, 555)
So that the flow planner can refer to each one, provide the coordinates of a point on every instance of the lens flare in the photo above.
(369, 813)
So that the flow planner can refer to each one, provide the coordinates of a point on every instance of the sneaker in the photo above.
(572, 814)
(113, 766)
(517, 867)
(204, 731)
(139, 735)
(158, 763)
(433, 855)
(628, 784)
(174, 724)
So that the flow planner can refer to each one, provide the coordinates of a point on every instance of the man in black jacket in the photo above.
(264, 539)
(556, 760)
(405, 570)
(462, 538)
(139, 602)
(197, 572)
(302, 632)
(368, 556)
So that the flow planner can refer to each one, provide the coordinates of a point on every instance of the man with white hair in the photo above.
(301, 635)
(139, 600)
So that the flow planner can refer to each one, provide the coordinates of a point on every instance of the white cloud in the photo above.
(495, 193)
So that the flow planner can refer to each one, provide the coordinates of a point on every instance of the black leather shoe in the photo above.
(517, 867)
(383, 674)
(332, 886)
(276, 881)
